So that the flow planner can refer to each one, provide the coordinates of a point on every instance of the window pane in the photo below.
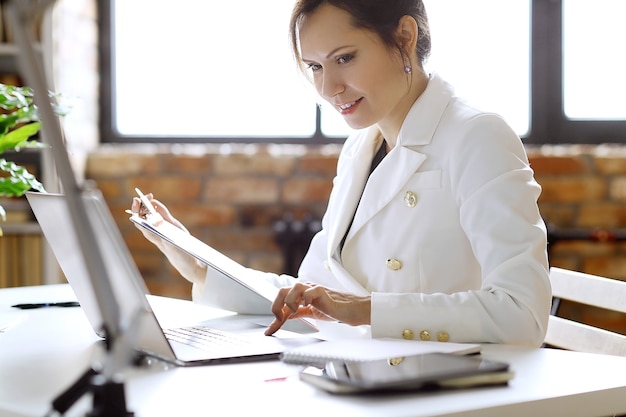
(333, 123)
(204, 68)
(594, 62)
(482, 48)
(240, 88)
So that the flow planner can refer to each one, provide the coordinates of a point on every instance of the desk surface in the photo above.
(46, 350)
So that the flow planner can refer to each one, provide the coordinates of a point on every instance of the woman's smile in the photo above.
(349, 108)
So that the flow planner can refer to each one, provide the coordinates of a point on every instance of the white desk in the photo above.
(51, 347)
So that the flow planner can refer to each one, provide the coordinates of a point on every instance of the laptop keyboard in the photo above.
(203, 337)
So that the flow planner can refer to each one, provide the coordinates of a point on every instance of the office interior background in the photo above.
(201, 105)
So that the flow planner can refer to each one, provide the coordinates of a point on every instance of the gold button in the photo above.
(407, 334)
(443, 337)
(425, 335)
(395, 361)
(393, 264)
(410, 199)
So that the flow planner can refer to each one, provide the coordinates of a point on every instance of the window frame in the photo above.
(548, 123)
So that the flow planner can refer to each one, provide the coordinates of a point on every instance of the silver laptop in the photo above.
(196, 345)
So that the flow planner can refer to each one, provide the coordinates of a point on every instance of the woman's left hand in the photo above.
(318, 302)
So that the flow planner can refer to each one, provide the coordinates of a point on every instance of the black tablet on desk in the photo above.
(417, 372)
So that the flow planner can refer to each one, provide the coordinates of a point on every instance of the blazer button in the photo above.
(443, 337)
(393, 264)
(425, 335)
(410, 199)
(407, 334)
(395, 361)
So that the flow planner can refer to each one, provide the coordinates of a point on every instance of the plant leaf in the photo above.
(18, 137)
(19, 180)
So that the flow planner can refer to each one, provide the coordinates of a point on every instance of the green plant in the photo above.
(18, 124)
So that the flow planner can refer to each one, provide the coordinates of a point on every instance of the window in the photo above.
(594, 64)
(487, 60)
(223, 71)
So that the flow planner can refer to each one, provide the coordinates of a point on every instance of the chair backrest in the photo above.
(592, 290)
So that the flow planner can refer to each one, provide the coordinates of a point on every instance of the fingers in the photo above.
(291, 297)
(137, 206)
(296, 302)
(285, 305)
(278, 322)
(287, 314)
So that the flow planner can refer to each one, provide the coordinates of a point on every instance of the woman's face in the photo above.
(352, 69)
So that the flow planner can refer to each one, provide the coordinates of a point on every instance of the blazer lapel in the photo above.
(385, 183)
(349, 186)
(404, 159)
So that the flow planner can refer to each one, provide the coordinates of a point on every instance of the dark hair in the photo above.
(379, 16)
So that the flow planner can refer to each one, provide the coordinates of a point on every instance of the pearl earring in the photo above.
(408, 69)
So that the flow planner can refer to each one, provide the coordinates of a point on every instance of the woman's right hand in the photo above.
(188, 266)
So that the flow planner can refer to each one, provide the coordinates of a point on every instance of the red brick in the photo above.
(256, 164)
(302, 190)
(582, 248)
(111, 188)
(617, 188)
(572, 189)
(607, 266)
(242, 190)
(120, 164)
(268, 263)
(318, 164)
(166, 189)
(171, 288)
(611, 165)
(186, 164)
(603, 215)
(559, 214)
(203, 214)
(543, 165)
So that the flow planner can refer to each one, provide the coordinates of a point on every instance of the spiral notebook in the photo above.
(370, 349)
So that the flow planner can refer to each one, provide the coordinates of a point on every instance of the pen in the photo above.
(31, 306)
(146, 202)
(156, 217)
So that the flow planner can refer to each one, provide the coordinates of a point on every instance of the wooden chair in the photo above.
(606, 293)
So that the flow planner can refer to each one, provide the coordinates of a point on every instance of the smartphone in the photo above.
(431, 370)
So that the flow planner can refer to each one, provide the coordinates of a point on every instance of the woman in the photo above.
(432, 230)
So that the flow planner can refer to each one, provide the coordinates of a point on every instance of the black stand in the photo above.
(109, 399)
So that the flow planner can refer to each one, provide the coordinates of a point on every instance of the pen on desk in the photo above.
(31, 306)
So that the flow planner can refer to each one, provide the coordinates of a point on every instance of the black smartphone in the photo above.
(431, 370)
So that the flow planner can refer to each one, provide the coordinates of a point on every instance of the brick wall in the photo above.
(230, 196)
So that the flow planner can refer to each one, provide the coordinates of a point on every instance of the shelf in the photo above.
(21, 232)
(8, 57)
(21, 228)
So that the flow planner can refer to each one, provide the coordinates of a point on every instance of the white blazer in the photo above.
(447, 237)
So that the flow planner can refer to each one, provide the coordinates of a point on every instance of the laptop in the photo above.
(182, 346)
